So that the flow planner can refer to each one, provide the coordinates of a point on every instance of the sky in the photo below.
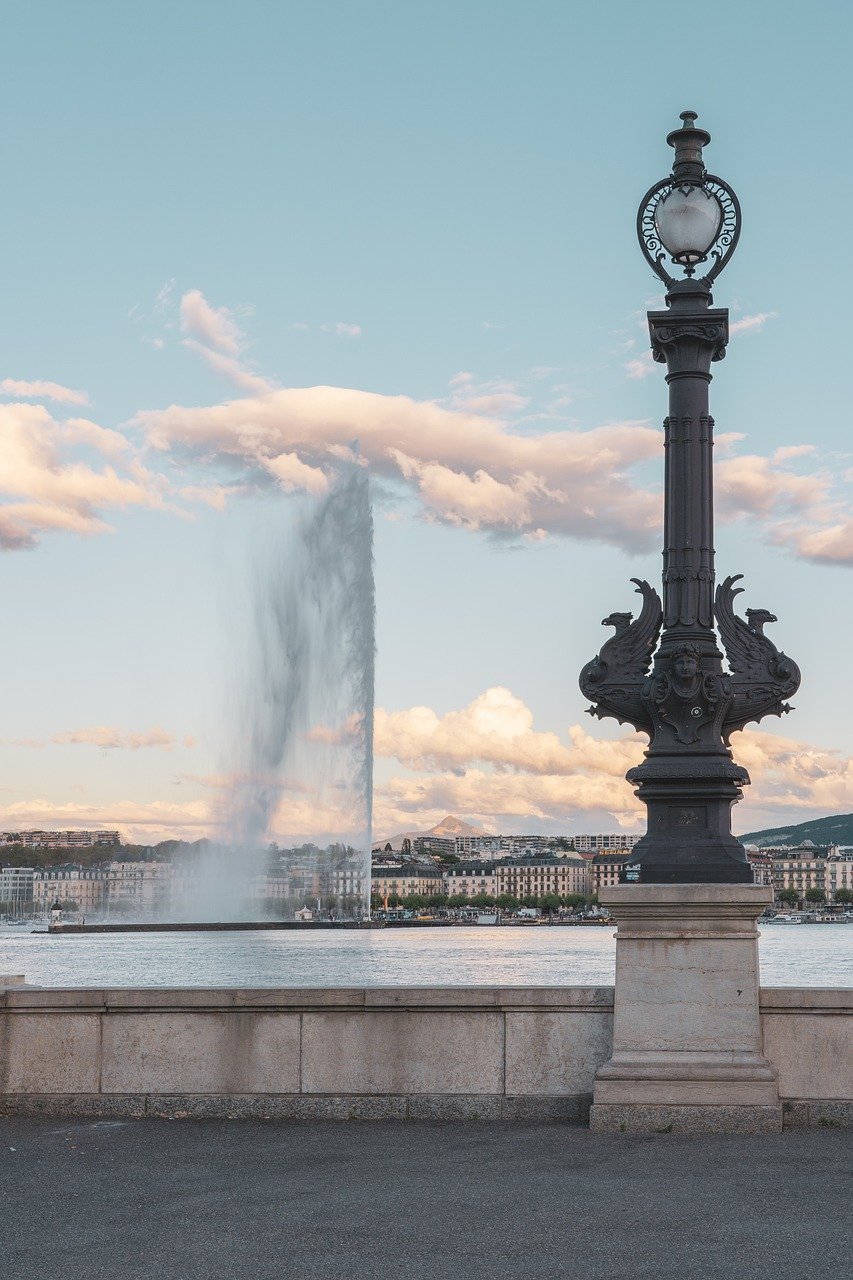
(235, 238)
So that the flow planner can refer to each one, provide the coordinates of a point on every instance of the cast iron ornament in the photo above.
(664, 672)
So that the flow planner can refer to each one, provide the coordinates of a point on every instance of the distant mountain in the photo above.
(448, 826)
(451, 826)
(836, 829)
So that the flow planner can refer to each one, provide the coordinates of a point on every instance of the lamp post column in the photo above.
(687, 1044)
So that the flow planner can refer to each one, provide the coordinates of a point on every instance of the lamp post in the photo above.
(663, 672)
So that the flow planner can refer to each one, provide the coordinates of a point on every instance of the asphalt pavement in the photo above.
(176, 1200)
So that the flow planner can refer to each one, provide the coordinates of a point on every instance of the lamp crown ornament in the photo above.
(664, 672)
(692, 216)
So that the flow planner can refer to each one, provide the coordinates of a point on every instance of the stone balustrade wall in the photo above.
(409, 1053)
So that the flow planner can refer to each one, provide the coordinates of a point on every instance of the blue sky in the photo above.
(217, 204)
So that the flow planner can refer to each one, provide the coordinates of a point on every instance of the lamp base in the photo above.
(687, 1052)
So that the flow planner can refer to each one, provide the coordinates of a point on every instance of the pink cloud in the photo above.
(465, 467)
(215, 326)
(41, 390)
(44, 487)
(751, 324)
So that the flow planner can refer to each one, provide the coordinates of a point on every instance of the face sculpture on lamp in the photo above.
(663, 673)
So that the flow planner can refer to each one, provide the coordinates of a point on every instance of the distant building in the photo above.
(517, 845)
(809, 866)
(60, 839)
(604, 870)
(136, 888)
(761, 861)
(69, 882)
(346, 879)
(605, 843)
(410, 877)
(479, 847)
(532, 875)
(16, 890)
(434, 846)
(471, 878)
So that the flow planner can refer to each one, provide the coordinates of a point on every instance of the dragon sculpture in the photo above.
(614, 679)
(761, 676)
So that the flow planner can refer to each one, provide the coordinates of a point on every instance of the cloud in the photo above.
(112, 444)
(156, 820)
(641, 366)
(215, 326)
(348, 330)
(43, 486)
(215, 336)
(110, 738)
(487, 761)
(496, 728)
(229, 367)
(42, 391)
(753, 485)
(751, 324)
(465, 467)
(830, 545)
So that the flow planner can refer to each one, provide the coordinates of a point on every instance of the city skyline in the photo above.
(231, 257)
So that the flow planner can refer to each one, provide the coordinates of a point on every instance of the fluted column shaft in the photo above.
(688, 338)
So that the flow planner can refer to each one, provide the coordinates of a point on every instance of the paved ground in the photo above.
(111, 1200)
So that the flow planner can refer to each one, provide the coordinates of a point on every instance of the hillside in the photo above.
(836, 829)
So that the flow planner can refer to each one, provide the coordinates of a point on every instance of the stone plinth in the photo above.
(687, 1053)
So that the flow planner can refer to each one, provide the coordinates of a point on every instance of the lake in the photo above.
(808, 955)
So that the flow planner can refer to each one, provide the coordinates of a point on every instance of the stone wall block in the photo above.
(201, 1053)
(403, 1052)
(49, 1053)
(813, 1054)
(555, 1053)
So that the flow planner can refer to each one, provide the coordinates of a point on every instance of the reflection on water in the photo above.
(804, 956)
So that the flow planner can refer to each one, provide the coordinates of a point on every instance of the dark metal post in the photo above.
(688, 704)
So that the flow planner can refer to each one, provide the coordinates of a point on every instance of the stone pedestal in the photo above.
(687, 1037)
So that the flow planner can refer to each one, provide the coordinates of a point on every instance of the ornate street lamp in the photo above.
(663, 673)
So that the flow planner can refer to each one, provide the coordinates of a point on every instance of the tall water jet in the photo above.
(306, 738)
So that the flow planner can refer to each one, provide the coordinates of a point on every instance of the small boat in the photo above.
(783, 919)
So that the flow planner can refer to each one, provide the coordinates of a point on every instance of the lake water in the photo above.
(795, 956)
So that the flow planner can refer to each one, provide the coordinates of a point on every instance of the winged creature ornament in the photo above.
(613, 680)
(761, 676)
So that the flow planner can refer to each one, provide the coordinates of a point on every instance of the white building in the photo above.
(60, 839)
(16, 890)
(69, 883)
(809, 866)
(620, 842)
(480, 848)
(136, 889)
(471, 878)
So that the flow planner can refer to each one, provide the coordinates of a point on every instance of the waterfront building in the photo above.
(136, 889)
(761, 861)
(471, 878)
(16, 890)
(604, 869)
(347, 879)
(69, 882)
(532, 875)
(410, 877)
(809, 866)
